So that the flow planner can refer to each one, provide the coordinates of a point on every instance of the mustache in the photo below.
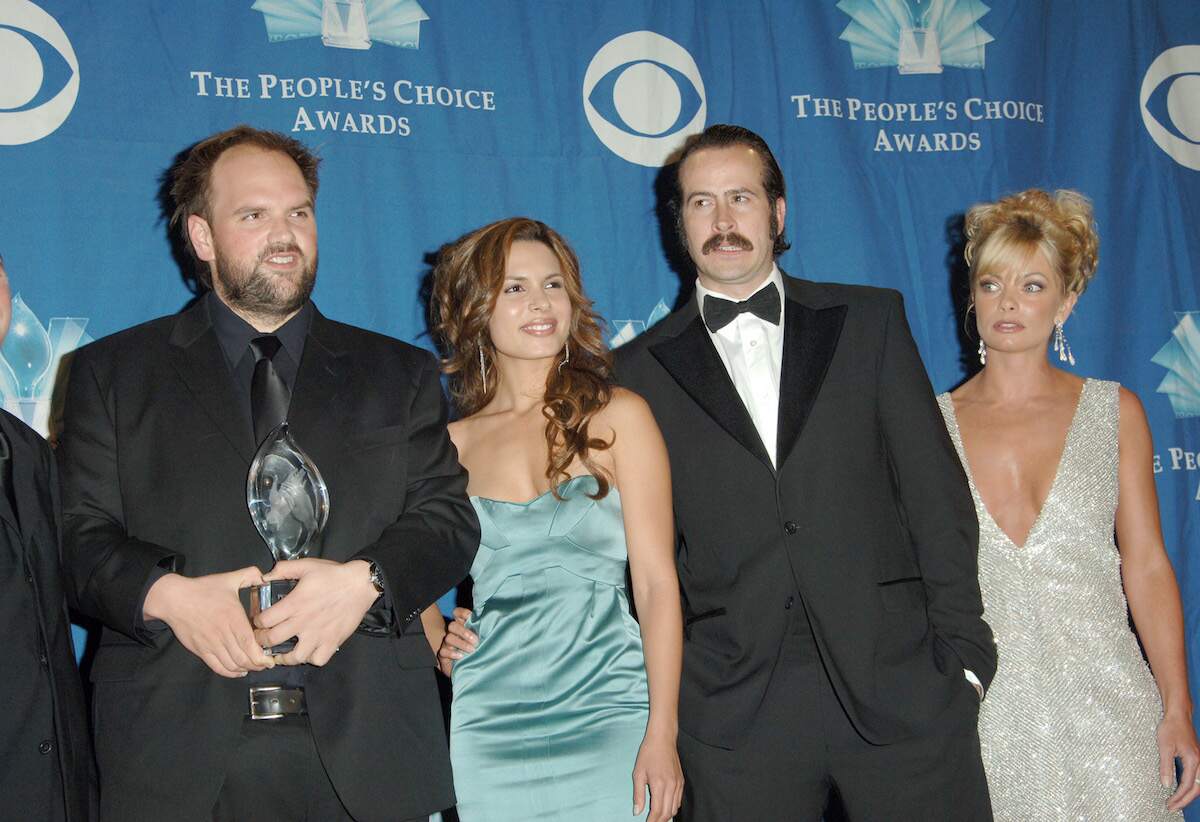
(731, 239)
(280, 248)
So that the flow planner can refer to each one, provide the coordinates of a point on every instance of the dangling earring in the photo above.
(566, 359)
(1061, 345)
(482, 369)
(982, 353)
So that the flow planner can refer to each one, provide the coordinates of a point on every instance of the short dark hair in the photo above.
(723, 135)
(191, 177)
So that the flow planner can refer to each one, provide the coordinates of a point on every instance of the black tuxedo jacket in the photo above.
(46, 766)
(867, 515)
(154, 456)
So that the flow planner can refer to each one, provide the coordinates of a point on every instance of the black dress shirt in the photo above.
(234, 334)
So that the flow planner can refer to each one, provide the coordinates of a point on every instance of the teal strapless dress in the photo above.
(550, 708)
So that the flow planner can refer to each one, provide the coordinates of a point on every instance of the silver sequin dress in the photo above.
(1068, 728)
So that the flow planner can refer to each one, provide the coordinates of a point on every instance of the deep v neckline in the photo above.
(1062, 458)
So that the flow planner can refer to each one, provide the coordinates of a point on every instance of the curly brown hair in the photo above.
(1060, 225)
(467, 279)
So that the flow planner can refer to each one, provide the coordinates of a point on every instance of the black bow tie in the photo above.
(764, 304)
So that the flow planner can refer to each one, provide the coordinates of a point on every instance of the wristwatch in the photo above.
(376, 576)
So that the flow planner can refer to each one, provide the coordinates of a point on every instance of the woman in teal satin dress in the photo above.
(565, 707)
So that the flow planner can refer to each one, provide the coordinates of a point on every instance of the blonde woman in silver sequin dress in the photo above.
(1075, 725)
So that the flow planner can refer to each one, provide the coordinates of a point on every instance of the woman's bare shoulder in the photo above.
(465, 432)
(625, 408)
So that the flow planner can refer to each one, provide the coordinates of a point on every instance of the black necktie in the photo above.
(269, 394)
(719, 313)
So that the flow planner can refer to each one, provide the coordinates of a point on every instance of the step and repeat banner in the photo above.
(889, 117)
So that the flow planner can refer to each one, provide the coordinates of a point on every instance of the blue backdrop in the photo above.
(889, 117)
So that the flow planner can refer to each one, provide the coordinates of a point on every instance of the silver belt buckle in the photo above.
(255, 713)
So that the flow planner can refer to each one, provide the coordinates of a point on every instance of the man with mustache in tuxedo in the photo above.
(834, 640)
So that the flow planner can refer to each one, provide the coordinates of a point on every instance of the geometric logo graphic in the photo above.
(916, 36)
(628, 329)
(345, 24)
(39, 73)
(29, 362)
(1170, 102)
(1181, 357)
(643, 94)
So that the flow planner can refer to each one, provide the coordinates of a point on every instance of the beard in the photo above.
(260, 292)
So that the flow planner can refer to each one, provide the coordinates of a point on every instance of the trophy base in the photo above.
(339, 42)
(263, 597)
(920, 52)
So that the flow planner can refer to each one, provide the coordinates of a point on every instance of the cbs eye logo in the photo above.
(39, 71)
(1171, 104)
(643, 94)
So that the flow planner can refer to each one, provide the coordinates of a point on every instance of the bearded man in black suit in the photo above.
(193, 720)
(827, 540)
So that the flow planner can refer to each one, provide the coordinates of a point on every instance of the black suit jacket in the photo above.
(154, 456)
(868, 516)
(46, 766)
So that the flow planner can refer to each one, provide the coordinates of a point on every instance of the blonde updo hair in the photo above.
(1060, 225)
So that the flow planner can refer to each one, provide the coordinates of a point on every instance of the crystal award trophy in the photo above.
(289, 505)
(344, 24)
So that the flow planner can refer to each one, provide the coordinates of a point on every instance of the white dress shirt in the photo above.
(752, 351)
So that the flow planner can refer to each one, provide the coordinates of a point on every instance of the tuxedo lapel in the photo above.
(810, 337)
(197, 357)
(693, 362)
(320, 383)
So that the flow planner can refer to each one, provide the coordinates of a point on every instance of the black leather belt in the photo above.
(276, 702)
